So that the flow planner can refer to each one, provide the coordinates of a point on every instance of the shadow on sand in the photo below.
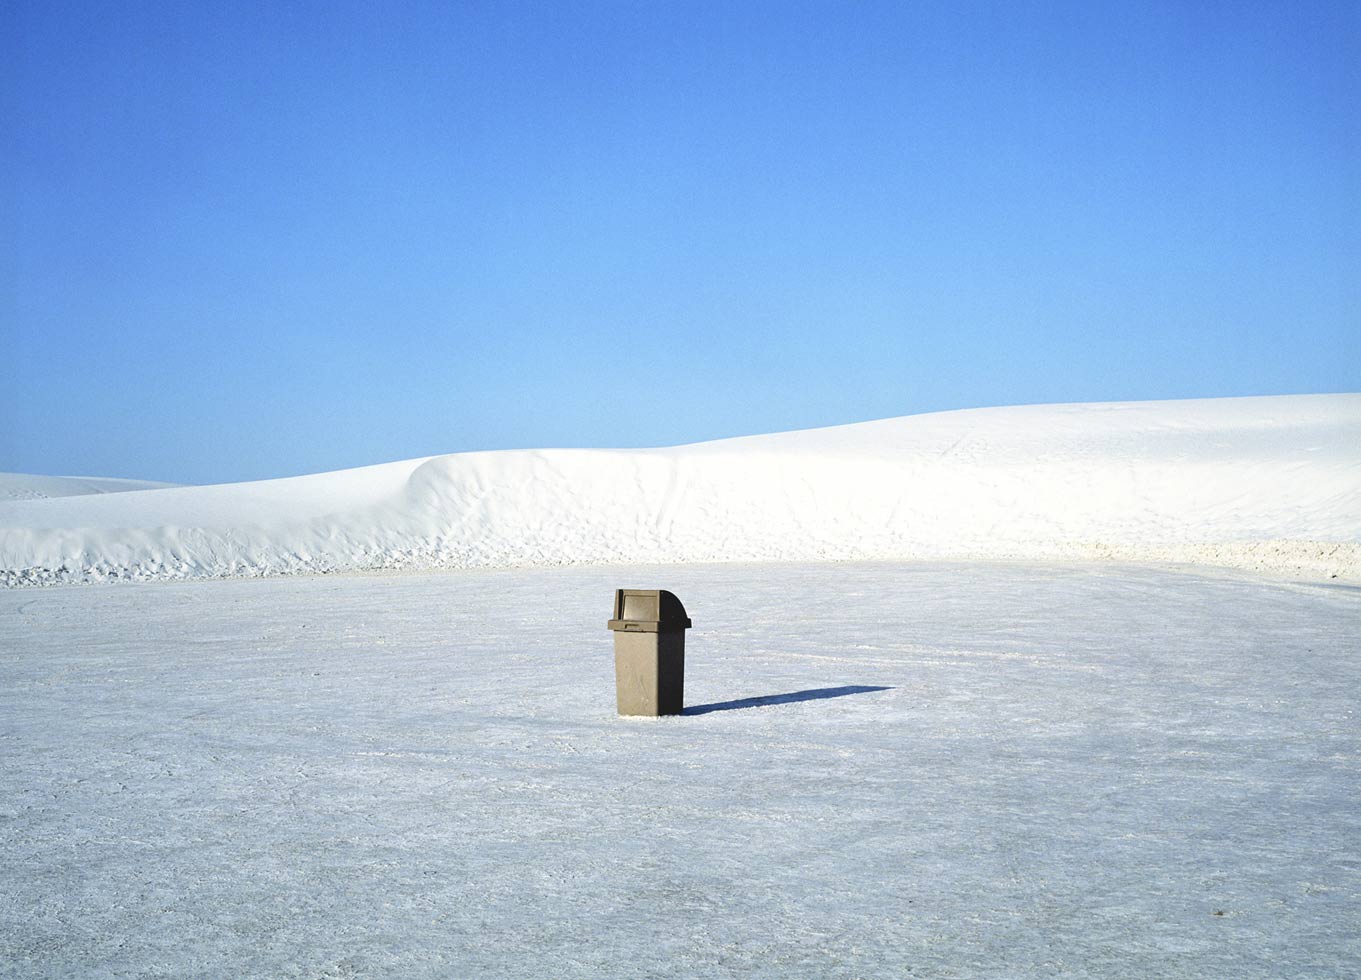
(814, 695)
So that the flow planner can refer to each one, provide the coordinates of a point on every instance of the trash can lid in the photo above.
(648, 611)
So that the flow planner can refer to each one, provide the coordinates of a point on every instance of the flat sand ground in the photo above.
(892, 770)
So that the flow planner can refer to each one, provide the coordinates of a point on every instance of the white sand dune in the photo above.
(22, 486)
(1272, 483)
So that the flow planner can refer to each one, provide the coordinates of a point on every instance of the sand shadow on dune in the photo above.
(817, 694)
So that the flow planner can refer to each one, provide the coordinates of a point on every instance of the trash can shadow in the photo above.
(815, 694)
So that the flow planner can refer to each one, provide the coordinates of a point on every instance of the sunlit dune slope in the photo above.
(1272, 483)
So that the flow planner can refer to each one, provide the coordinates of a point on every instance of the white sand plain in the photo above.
(1019, 770)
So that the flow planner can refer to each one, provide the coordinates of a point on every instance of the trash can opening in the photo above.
(639, 605)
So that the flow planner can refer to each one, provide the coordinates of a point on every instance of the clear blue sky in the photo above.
(242, 241)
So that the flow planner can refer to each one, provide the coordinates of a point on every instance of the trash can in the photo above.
(649, 652)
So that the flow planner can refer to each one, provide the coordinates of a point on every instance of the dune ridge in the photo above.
(1269, 483)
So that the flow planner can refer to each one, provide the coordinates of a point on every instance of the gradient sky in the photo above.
(240, 241)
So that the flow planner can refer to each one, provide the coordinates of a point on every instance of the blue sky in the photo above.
(244, 242)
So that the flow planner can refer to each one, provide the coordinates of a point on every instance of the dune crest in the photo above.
(1271, 483)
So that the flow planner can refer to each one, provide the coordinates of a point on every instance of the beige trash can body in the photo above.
(649, 652)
